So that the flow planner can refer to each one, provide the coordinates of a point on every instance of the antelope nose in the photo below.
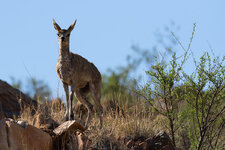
(62, 38)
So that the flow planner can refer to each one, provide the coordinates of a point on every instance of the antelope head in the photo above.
(63, 34)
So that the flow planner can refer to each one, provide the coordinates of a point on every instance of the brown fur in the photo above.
(77, 72)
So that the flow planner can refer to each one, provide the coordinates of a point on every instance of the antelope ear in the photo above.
(56, 26)
(72, 26)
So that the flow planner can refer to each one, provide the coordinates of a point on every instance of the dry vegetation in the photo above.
(125, 118)
(121, 123)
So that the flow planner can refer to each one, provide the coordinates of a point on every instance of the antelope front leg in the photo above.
(71, 115)
(66, 89)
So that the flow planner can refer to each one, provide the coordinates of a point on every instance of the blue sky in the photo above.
(104, 33)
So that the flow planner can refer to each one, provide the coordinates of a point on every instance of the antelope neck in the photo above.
(64, 52)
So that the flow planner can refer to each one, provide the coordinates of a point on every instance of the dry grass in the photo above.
(120, 123)
(118, 130)
(49, 110)
(120, 126)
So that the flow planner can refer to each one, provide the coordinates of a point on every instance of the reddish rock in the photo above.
(10, 99)
(22, 136)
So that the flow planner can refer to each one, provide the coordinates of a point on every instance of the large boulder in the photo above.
(20, 135)
(70, 136)
(12, 100)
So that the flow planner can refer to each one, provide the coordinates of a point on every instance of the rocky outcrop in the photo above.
(70, 136)
(12, 100)
(19, 135)
(160, 141)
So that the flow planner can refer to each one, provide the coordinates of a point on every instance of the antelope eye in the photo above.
(58, 34)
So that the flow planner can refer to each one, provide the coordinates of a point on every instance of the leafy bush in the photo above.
(163, 93)
(204, 93)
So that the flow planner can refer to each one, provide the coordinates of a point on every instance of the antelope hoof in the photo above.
(71, 116)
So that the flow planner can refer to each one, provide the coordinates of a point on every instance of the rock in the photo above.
(15, 135)
(10, 98)
(162, 138)
(160, 141)
(70, 135)
(71, 125)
